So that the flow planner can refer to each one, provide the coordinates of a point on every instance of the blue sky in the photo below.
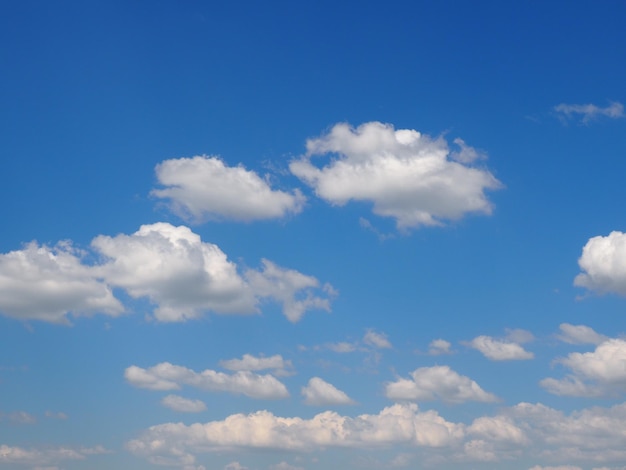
(295, 236)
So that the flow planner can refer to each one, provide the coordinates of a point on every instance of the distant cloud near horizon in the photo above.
(588, 112)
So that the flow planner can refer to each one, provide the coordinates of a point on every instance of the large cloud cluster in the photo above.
(182, 276)
(408, 176)
(530, 431)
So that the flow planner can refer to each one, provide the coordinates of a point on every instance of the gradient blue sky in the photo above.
(335, 280)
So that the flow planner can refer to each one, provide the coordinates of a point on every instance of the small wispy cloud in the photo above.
(585, 113)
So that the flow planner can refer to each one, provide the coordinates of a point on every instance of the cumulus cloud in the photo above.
(235, 466)
(408, 176)
(377, 340)
(293, 289)
(21, 417)
(594, 434)
(397, 424)
(559, 467)
(598, 373)
(589, 112)
(180, 274)
(437, 383)
(166, 376)
(318, 392)
(285, 466)
(438, 347)
(499, 350)
(202, 188)
(185, 276)
(603, 264)
(184, 405)
(49, 283)
(45, 458)
(248, 362)
(579, 334)
(526, 431)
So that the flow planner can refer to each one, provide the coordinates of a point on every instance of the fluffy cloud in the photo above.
(45, 458)
(48, 283)
(166, 376)
(175, 270)
(284, 466)
(593, 434)
(249, 362)
(174, 443)
(533, 432)
(588, 112)
(180, 274)
(185, 276)
(202, 188)
(407, 175)
(438, 347)
(603, 264)
(235, 466)
(579, 334)
(598, 373)
(438, 382)
(318, 392)
(377, 340)
(293, 289)
(499, 350)
(560, 467)
(184, 405)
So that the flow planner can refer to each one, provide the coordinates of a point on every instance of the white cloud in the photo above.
(293, 289)
(203, 187)
(318, 392)
(185, 276)
(22, 417)
(184, 405)
(589, 112)
(249, 362)
(182, 275)
(397, 424)
(559, 467)
(437, 383)
(235, 466)
(438, 347)
(166, 376)
(341, 347)
(497, 429)
(48, 283)
(498, 350)
(284, 466)
(579, 334)
(598, 373)
(603, 264)
(406, 175)
(378, 340)
(45, 458)
(57, 415)
(593, 434)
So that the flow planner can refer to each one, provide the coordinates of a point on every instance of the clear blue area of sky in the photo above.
(94, 94)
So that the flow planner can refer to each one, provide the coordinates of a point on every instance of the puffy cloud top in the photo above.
(603, 264)
(47, 283)
(166, 376)
(407, 175)
(598, 373)
(318, 392)
(202, 187)
(437, 382)
(498, 350)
